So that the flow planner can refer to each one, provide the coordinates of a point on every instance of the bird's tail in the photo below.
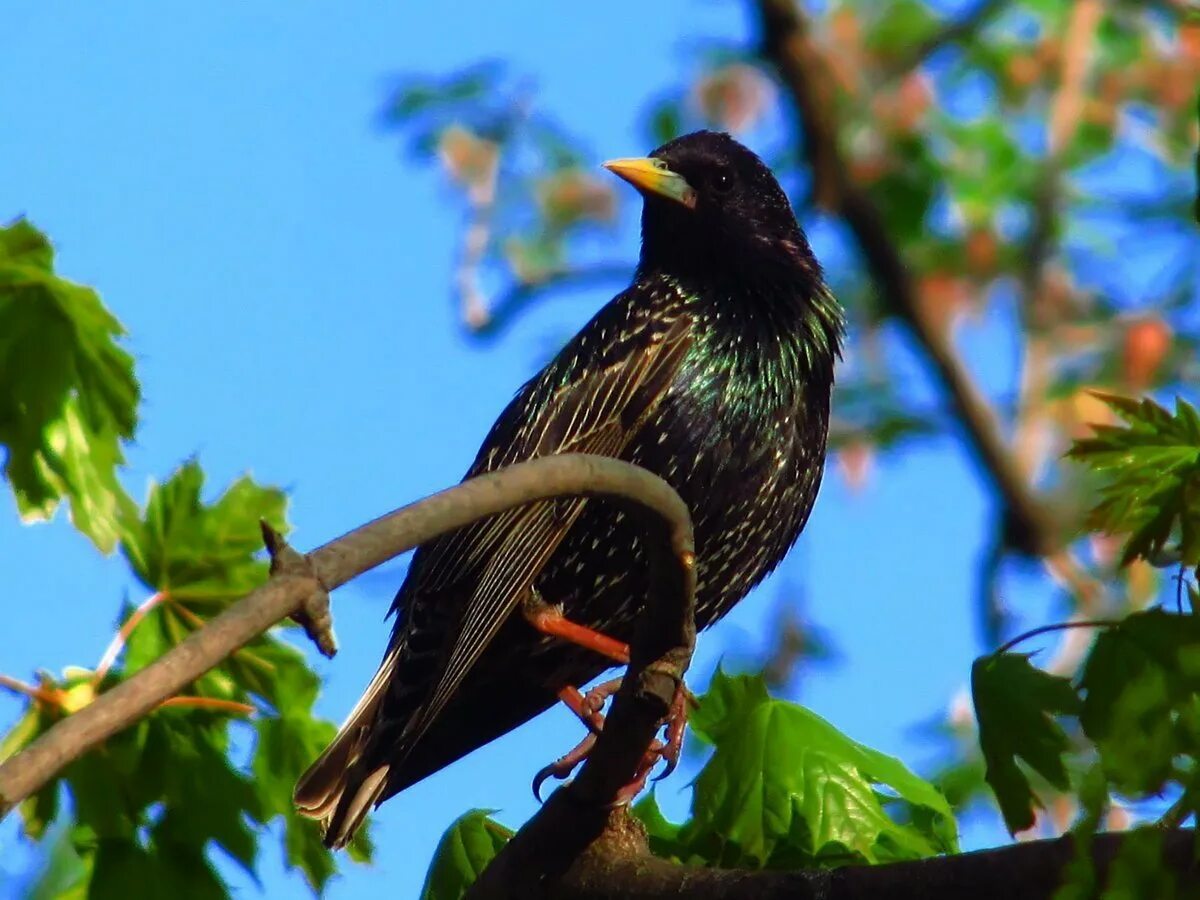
(340, 788)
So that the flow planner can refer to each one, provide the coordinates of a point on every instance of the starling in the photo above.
(713, 370)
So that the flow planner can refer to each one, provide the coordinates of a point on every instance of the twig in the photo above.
(42, 695)
(117, 644)
(1057, 626)
(215, 703)
(787, 44)
(334, 564)
(1066, 112)
(482, 200)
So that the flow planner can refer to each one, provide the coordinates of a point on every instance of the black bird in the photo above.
(712, 370)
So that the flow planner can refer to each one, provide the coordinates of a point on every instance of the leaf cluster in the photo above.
(1135, 703)
(1151, 471)
(211, 771)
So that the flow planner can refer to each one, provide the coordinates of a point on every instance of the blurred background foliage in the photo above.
(1026, 166)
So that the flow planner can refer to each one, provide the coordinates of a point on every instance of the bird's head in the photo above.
(709, 202)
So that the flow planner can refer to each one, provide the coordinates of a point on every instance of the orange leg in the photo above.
(585, 708)
(549, 620)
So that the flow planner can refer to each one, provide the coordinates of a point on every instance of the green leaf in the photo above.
(38, 811)
(462, 854)
(201, 553)
(785, 788)
(1141, 679)
(22, 734)
(1138, 869)
(1079, 877)
(125, 868)
(1152, 466)
(65, 874)
(903, 24)
(904, 194)
(70, 398)
(1014, 704)
(1120, 41)
(662, 834)
(721, 705)
(665, 121)
(987, 167)
(285, 746)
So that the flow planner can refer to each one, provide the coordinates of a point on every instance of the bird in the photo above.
(713, 370)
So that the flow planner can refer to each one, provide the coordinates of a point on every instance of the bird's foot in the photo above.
(587, 707)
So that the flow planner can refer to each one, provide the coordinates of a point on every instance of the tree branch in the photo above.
(787, 44)
(331, 566)
(1032, 871)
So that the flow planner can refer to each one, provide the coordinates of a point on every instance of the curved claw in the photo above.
(671, 764)
(539, 779)
(563, 766)
(676, 723)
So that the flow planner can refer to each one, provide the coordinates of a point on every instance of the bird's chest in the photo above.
(732, 437)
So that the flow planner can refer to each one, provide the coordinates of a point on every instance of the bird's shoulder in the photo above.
(615, 366)
(593, 397)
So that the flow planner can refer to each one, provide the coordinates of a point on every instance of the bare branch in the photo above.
(333, 564)
(787, 43)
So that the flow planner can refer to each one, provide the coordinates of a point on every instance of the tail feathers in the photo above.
(359, 796)
(339, 789)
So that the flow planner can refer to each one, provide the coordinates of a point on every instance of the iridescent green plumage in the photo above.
(713, 370)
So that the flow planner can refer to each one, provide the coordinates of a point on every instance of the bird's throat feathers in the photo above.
(781, 326)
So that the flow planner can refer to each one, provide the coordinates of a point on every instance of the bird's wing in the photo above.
(597, 413)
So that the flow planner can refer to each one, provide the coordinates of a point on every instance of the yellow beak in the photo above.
(648, 174)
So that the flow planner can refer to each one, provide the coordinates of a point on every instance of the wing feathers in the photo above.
(598, 413)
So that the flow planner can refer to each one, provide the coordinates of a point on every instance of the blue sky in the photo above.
(284, 274)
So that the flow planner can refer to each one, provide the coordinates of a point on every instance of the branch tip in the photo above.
(314, 615)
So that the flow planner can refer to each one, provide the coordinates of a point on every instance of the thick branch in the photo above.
(333, 565)
(787, 43)
(1031, 871)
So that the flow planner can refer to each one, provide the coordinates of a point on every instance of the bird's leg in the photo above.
(549, 620)
(587, 707)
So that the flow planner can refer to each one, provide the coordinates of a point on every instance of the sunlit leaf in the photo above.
(462, 854)
(70, 398)
(785, 788)
(1152, 471)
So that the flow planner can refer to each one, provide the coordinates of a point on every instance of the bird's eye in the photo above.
(722, 181)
